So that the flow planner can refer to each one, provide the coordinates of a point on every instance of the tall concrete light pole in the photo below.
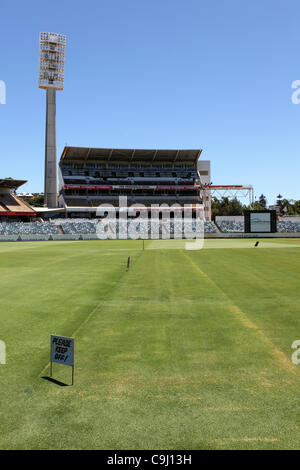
(51, 78)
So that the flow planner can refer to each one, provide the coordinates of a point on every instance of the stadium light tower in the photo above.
(51, 78)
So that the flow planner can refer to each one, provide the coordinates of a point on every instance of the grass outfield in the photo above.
(186, 350)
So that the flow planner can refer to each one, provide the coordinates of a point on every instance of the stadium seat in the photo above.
(30, 228)
(230, 226)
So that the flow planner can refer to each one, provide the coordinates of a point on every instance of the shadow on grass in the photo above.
(56, 382)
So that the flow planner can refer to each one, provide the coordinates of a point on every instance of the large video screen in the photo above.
(260, 222)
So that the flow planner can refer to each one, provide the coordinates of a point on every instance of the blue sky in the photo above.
(210, 74)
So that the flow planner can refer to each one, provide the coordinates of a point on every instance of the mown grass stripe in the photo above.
(283, 359)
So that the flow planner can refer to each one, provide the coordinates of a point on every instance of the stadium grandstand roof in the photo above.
(11, 183)
(129, 155)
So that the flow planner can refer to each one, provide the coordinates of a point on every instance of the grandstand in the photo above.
(11, 206)
(93, 176)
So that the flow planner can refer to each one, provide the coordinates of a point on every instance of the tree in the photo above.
(288, 207)
(296, 207)
(37, 201)
(262, 201)
(257, 206)
(226, 206)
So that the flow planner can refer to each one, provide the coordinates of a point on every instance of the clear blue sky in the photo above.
(209, 74)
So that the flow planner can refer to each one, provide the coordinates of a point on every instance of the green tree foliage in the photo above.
(37, 201)
(288, 206)
(256, 206)
(262, 201)
(226, 206)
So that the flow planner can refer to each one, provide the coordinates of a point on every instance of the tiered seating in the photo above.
(91, 177)
(77, 202)
(89, 226)
(115, 174)
(78, 227)
(19, 228)
(63, 220)
(138, 227)
(231, 226)
(210, 227)
(287, 226)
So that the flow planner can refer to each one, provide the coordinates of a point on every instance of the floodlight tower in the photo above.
(51, 78)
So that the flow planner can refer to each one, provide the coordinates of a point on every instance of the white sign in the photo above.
(62, 350)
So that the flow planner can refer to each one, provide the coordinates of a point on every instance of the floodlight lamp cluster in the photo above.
(52, 60)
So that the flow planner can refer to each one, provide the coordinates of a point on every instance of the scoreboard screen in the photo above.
(260, 221)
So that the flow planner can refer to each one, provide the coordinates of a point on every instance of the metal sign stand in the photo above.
(72, 372)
